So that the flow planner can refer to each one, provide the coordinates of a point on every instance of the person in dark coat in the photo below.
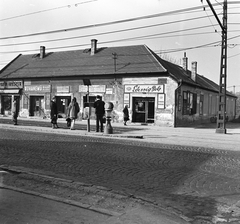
(125, 115)
(15, 111)
(73, 111)
(99, 111)
(54, 112)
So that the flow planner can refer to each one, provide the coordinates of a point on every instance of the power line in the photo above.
(233, 55)
(210, 20)
(46, 10)
(105, 42)
(103, 24)
(106, 33)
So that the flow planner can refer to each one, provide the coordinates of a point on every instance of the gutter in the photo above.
(176, 101)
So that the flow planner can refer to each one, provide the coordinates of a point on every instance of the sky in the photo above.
(168, 27)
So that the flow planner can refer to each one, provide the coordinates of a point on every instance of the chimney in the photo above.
(93, 46)
(42, 52)
(194, 71)
(185, 62)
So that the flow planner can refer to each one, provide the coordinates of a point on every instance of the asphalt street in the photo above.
(201, 184)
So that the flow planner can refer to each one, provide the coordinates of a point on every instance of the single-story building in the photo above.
(157, 91)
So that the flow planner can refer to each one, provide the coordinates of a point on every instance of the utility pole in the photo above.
(221, 116)
(115, 61)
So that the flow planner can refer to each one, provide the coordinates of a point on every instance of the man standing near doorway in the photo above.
(99, 111)
(54, 112)
(15, 110)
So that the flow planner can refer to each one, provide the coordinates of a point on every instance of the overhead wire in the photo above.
(105, 33)
(210, 20)
(119, 40)
(102, 24)
(126, 39)
(46, 10)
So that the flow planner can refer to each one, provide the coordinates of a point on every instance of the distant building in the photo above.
(238, 105)
(156, 90)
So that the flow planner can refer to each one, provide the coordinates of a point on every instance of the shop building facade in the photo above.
(156, 91)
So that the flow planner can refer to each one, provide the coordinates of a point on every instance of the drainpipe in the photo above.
(176, 102)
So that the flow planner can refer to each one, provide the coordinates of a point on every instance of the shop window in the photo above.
(7, 103)
(189, 103)
(140, 106)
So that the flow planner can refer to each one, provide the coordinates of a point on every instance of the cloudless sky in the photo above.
(178, 26)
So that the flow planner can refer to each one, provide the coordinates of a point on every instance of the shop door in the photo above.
(86, 105)
(6, 104)
(143, 109)
(62, 105)
(36, 106)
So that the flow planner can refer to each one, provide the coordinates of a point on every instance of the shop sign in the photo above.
(38, 88)
(161, 101)
(93, 88)
(11, 85)
(63, 89)
(143, 88)
(109, 91)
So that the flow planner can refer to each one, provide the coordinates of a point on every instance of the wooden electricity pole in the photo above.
(221, 116)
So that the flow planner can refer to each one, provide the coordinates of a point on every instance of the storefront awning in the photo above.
(10, 91)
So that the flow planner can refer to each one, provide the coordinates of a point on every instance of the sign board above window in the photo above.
(11, 85)
(92, 88)
(63, 89)
(144, 89)
(38, 88)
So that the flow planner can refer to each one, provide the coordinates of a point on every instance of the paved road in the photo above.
(202, 184)
(200, 136)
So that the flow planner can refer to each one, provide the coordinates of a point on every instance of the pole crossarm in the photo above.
(215, 14)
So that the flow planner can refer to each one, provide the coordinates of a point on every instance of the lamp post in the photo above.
(108, 127)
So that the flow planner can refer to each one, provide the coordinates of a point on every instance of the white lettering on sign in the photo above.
(40, 88)
(63, 89)
(93, 88)
(11, 84)
(144, 89)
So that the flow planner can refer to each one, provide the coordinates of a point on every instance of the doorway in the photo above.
(6, 104)
(62, 105)
(143, 109)
(36, 106)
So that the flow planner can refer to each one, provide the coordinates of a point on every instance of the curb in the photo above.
(62, 200)
(66, 131)
(117, 194)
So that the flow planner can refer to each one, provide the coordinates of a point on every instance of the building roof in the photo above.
(179, 74)
(134, 60)
(130, 59)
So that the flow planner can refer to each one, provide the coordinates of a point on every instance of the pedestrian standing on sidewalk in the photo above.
(54, 112)
(73, 111)
(125, 115)
(15, 111)
(99, 111)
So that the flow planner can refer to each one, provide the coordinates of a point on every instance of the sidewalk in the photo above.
(202, 136)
